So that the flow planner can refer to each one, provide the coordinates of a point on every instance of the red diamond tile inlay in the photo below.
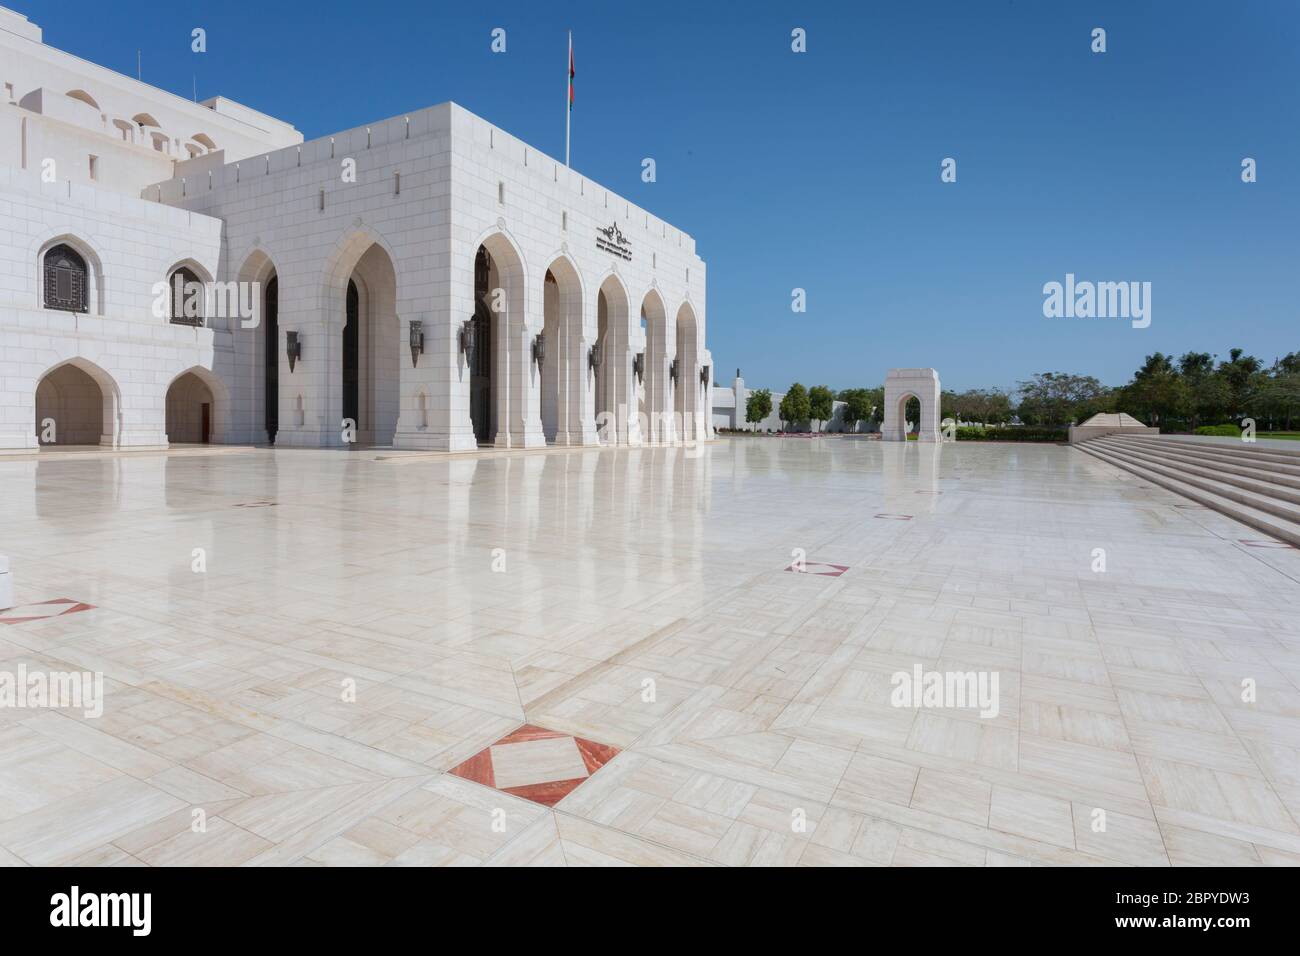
(820, 568)
(38, 612)
(540, 765)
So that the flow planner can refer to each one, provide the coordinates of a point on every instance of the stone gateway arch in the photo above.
(902, 384)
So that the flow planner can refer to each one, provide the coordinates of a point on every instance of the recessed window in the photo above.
(501, 193)
(65, 280)
(564, 220)
(94, 168)
(187, 297)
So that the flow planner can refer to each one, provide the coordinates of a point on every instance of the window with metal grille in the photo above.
(65, 280)
(186, 289)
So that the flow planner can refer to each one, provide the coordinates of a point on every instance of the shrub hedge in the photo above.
(1012, 433)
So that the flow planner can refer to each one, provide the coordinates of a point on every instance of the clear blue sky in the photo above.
(821, 170)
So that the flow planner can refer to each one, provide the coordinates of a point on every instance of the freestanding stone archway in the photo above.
(902, 384)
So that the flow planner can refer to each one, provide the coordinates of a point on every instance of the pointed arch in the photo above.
(360, 295)
(77, 403)
(690, 400)
(562, 377)
(92, 271)
(83, 96)
(654, 391)
(614, 407)
(261, 357)
(187, 420)
(499, 393)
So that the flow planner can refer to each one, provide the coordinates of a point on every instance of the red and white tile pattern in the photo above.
(37, 612)
(540, 765)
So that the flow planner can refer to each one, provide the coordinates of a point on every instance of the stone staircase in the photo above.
(1257, 486)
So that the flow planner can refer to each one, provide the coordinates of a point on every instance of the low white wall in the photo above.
(1080, 433)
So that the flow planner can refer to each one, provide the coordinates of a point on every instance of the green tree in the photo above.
(1241, 372)
(988, 406)
(821, 403)
(912, 415)
(1157, 394)
(1208, 393)
(758, 406)
(857, 406)
(1057, 398)
(795, 406)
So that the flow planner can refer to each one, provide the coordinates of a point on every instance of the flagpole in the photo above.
(568, 106)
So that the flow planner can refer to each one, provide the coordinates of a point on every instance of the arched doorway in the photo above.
(369, 369)
(271, 356)
(687, 388)
(258, 351)
(656, 406)
(562, 368)
(550, 373)
(195, 412)
(503, 400)
(603, 404)
(76, 404)
(614, 408)
(909, 414)
(352, 355)
(903, 385)
(482, 396)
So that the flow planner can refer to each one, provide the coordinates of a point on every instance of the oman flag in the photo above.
(571, 71)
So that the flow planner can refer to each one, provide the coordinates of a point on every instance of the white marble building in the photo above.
(439, 283)
(729, 405)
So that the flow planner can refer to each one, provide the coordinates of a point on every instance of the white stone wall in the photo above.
(59, 108)
(129, 245)
(255, 202)
(463, 183)
(730, 404)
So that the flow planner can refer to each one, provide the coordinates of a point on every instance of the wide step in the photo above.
(1264, 483)
(1259, 507)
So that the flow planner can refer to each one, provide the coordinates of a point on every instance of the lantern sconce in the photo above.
(638, 366)
(593, 356)
(704, 375)
(467, 339)
(672, 371)
(292, 348)
(417, 341)
(539, 348)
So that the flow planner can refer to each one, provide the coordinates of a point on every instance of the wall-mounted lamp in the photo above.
(638, 366)
(292, 348)
(539, 348)
(417, 341)
(593, 356)
(672, 371)
(704, 375)
(467, 339)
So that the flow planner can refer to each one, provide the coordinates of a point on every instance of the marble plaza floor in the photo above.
(601, 657)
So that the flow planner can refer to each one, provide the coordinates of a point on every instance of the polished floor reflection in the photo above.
(298, 647)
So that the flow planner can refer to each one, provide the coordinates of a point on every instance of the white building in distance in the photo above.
(186, 272)
(729, 407)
